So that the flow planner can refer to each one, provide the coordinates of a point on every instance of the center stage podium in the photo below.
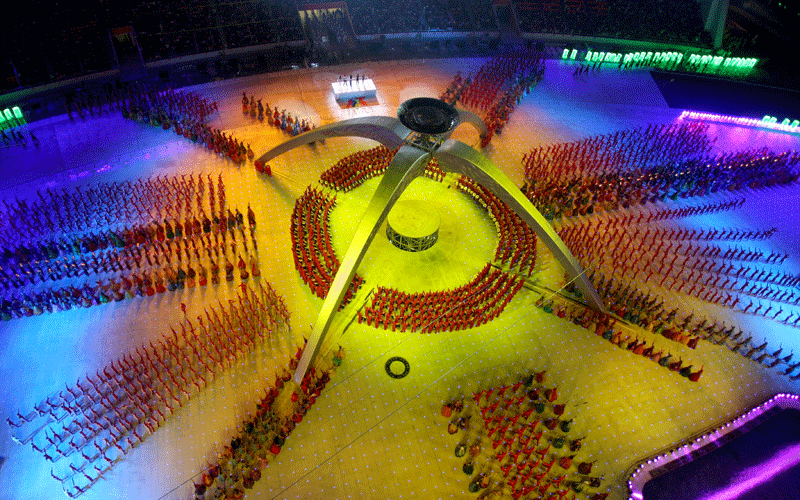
(344, 90)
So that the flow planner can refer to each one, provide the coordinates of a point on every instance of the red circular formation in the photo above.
(477, 302)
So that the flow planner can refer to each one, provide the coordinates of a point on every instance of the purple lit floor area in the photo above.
(763, 462)
(370, 436)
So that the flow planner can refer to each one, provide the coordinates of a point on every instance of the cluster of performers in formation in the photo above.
(683, 261)
(474, 304)
(146, 103)
(238, 467)
(88, 427)
(122, 261)
(489, 292)
(103, 205)
(625, 169)
(522, 445)
(290, 124)
(516, 245)
(186, 114)
(604, 325)
(353, 170)
(313, 254)
(496, 88)
(129, 96)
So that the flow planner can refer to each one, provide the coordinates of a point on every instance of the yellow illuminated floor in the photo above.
(371, 436)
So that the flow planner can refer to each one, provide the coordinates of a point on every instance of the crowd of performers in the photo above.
(604, 325)
(520, 445)
(18, 137)
(635, 248)
(136, 97)
(186, 113)
(683, 261)
(639, 166)
(618, 151)
(651, 314)
(184, 249)
(354, 169)
(468, 306)
(105, 204)
(516, 246)
(238, 467)
(493, 78)
(85, 429)
(164, 107)
(497, 87)
(489, 292)
(314, 257)
(107, 277)
(292, 125)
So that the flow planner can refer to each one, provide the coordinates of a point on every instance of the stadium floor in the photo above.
(368, 435)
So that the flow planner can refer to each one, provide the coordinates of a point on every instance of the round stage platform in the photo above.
(412, 226)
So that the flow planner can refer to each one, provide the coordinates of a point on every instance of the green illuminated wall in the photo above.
(687, 61)
(11, 117)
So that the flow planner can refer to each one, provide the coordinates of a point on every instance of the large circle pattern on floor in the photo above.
(492, 281)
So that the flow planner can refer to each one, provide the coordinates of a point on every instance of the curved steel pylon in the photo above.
(421, 132)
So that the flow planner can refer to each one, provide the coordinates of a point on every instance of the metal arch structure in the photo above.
(474, 120)
(421, 132)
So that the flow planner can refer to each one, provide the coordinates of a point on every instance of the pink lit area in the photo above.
(756, 476)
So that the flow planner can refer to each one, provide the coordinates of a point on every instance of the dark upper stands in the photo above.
(52, 41)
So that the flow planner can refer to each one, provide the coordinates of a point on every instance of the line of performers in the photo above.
(649, 313)
(189, 122)
(692, 176)
(214, 139)
(313, 254)
(732, 338)
(452, 94)
(91, 425)
(622, 150)
(514, 425)
(481, 91)
(516, 246)
(125, 237)
(101, 205)
(468, 306)
(180, 269)
(259, 439)
(603, 326)
(164, 107)
(352, 170)
(290, 124)
(648, 215)
(498, 115)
